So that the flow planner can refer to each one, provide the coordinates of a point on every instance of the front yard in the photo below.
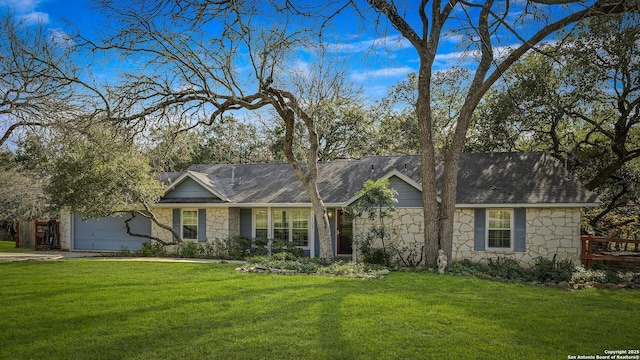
(101, 309)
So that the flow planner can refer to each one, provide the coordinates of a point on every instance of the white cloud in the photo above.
(463, 57)
(20, 6)
(35, 18)
(381, 73)
(392, 43)
(26, 11)
(60, 38)
(300, 68)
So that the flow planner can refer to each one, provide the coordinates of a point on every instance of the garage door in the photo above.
(109, 233)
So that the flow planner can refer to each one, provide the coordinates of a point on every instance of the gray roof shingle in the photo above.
(484, 178)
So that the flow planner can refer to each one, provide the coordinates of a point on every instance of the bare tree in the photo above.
(204, 59)
(39, 82)
(479, 22)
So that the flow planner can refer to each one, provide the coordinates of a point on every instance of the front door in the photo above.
(344, 233)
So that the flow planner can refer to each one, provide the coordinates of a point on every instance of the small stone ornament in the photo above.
(442, 261)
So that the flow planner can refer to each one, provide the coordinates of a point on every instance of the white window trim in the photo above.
(310, 229)
(511, 230)
(182, 223)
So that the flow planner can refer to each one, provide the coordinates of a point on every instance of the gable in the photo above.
(408, 195)
(189, 189)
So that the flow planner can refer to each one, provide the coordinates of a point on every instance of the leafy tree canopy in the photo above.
(100, 174)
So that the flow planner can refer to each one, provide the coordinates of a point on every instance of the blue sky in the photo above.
(374, 62)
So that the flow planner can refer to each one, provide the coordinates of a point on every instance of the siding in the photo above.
(189, 189)
(408, 196)
(245, 222)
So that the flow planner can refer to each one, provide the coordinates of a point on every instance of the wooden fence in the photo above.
(609, 249)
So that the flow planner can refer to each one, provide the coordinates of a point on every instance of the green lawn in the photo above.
(10, 246)
(88, 309)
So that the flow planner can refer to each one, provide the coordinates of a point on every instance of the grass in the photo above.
(10, 246)
(88, 309)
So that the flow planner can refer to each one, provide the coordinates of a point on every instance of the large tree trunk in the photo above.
(324, 229)
(288, 108)
(428, 163)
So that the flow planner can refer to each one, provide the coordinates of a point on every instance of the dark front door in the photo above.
(345, 233)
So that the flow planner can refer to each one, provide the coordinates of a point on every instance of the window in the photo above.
(300, 228)
(499, 229)
(261, 224)
(280, 225)
(286, 225)
(190, 224)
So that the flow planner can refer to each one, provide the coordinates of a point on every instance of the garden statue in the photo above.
(442, 261)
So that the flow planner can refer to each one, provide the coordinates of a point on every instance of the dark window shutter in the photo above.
(202, 224)
(520, 230)
(177, 216)
(479, 230)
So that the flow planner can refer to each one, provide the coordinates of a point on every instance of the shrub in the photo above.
(588, 275)
(238, 247)
(545, 270)
(371, 254)
(284, 256)
(508, 269)
(467, 267)
(410, 255)
(189, 249)
(153, 249)
(305, 265)
(214, 249)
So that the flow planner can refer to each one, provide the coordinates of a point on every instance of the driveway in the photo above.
(46, 255)
(72, 255)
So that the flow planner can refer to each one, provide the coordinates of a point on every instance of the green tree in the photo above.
(585, 100)
(398, 121)
(232, 141)
(481, 22)
(376, 201)
(101, 173)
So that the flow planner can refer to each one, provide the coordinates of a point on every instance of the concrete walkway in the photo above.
(73, 255)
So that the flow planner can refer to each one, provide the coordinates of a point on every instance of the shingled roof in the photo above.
(484, 178)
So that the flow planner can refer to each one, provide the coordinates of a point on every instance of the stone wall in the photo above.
(407, 226)
(218, 223)
(549, 232)
(165, 216)
(234, 221)
(65, 229)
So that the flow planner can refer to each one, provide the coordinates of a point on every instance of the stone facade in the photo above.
(407, 227)
(164, 216)
(550, 231)
(65, 229)
(217, 223)
(234, 221)
(221, 223)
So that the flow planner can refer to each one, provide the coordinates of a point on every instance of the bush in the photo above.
(545, 270)
(467, 267)
(214, 249)
(153, 249)
(508, 269)
(305, 265)
(371, 254)
(238, 247)
(189, 249)
(280, 246)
